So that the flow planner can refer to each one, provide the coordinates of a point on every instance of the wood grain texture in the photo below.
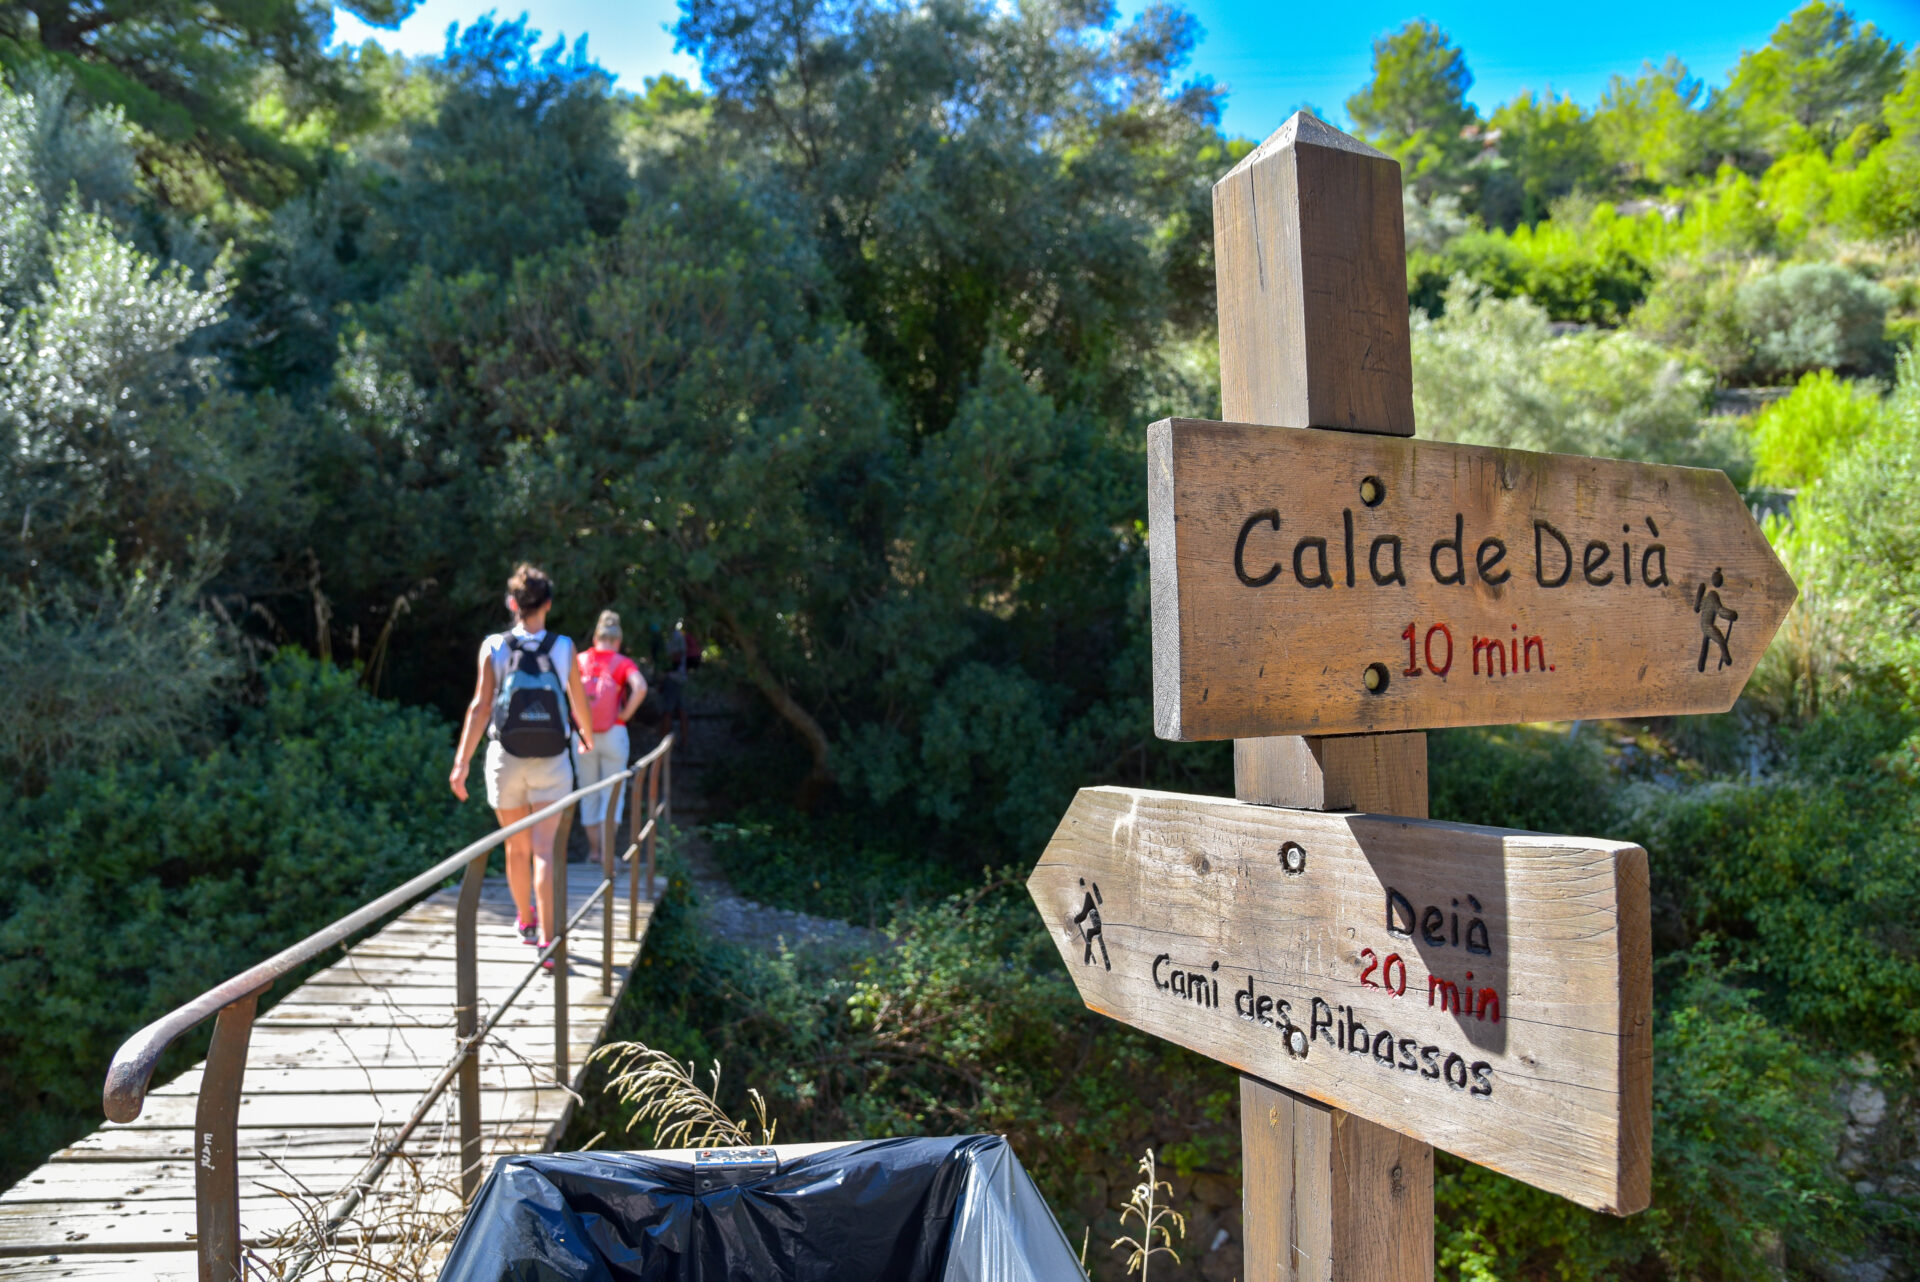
(1520, 1069)
(1580, 589)
(1354, 1199)
(1310, 271)
(336, 1065)
(1382, 773)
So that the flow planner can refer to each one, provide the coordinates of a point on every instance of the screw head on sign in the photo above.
(1375, 678)
(1293, 858)
(1372, 490)
(1297, 1041)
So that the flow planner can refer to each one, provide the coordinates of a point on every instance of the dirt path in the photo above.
(739, 920)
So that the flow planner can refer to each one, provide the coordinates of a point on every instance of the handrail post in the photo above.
(654, 790)
(466, 1016)
(609, 827)
(216, 1124)
(639, 809)
(562, 908)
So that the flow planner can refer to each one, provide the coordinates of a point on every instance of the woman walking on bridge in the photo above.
(529, 698)
(614, 689)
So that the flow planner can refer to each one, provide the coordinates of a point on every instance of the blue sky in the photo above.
(1272, 57)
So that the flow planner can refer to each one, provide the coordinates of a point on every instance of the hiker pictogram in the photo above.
(1086, 924)
(1711, 609)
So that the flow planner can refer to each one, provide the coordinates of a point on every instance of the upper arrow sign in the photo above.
(1312, 582)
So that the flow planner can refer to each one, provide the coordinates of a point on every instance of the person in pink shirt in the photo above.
(614, 690)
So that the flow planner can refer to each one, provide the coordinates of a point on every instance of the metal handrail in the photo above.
(216, 1165)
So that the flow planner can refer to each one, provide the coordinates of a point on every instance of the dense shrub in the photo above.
(1744, 1134)
(1492, 372)
(1797, 436)
(128, 888)
(1808, 316)
(964, 1021)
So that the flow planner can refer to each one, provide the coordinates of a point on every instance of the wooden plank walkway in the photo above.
(332, 1069)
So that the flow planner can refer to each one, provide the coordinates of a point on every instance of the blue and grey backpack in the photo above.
(530, 707)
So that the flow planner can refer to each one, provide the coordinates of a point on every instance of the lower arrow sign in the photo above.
(1486, 991)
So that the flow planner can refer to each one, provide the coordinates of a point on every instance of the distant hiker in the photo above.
(528, 696)
(683, 655)
(614, 689)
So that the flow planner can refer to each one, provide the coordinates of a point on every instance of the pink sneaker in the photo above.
(529, 931)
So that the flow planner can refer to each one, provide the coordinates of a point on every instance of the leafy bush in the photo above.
(1808, 316)
(127, 888)
(134, 667)
(966, 1021)
(1743, 1141)
(1853, 543)
(827, 865)
(1490, 371)
(1797, 436)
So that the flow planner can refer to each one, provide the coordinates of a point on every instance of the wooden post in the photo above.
(1310, 262)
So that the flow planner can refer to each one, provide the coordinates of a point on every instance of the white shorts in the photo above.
(609, 757)
(514, 782)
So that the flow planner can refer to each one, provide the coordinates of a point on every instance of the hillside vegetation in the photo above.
(846, 359)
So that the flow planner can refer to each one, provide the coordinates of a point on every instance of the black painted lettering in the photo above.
(1432, 923)
(1430, 1057)
(1482, 1078)
(1179, 983)
(1383, 1048)
(1477, 938)
(1459, 571)
(1455, 1061)
(1394, 575)
(1243, 1000)
(1488, 558)
(1399, 909)
(1271, 517)
(1263, 1010)
(1408, 1050)
(1593, 560)
(1319, 1016)
(1359, 1041)
(1318, 546)
(1158, 962)
(1648, 569)
(1542, 531)
(1346, 515)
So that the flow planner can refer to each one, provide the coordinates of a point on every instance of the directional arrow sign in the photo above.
(1486, 991)
(1314, 582)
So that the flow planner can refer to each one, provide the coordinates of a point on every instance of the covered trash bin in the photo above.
(959, 1209)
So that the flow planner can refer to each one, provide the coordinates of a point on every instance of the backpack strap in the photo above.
(521, 650)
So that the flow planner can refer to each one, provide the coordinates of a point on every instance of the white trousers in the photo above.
(609, 757)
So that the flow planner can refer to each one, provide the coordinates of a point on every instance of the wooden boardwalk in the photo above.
(332, 1069)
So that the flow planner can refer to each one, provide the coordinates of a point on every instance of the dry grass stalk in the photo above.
(399, 1232)
(666, 1093)
(1154, 1217)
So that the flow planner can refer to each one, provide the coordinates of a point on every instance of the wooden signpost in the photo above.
(1387, 984)
(1471, 987)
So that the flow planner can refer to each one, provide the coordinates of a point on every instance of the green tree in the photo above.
(1663, 126)
(1547, 148)
(1820, 77)
(1416, 108)
(983, 176)
(189, 73)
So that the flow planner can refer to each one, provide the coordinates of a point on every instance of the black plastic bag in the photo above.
(879, 1211)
